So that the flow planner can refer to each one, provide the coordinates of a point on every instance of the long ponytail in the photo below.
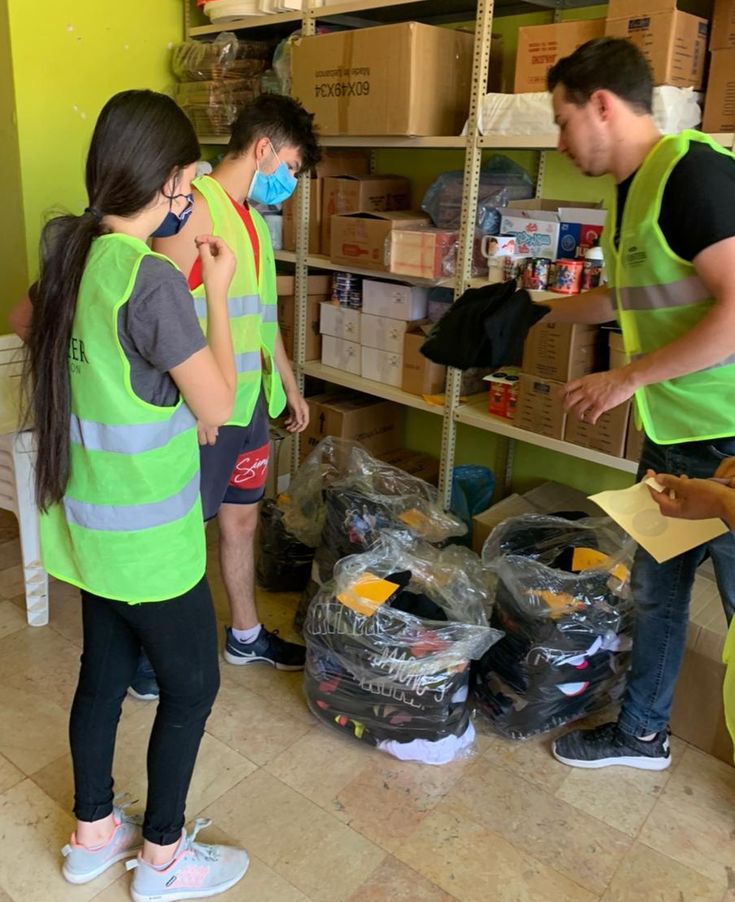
(140, 139)
(65, 244)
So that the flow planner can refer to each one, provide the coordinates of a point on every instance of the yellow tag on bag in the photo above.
(367, 594)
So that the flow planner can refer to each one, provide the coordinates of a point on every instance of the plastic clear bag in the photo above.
(283, 563)
(501, 180)
(563, 601)
(382, 672)
(223, 58)
(343, 465)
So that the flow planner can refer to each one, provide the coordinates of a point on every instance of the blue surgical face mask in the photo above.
(173, 223)
(274, 188)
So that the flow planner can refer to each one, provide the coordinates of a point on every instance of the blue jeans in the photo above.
(662, 593)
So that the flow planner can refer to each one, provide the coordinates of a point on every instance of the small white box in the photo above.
(383, 333)
(404, 302)
(341, 354)
(341, 322)
(385, 367)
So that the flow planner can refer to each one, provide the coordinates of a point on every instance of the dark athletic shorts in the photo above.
(234, 469)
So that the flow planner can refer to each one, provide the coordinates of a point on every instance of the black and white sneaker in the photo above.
(608, 745)
(144, 685)
(268, 648)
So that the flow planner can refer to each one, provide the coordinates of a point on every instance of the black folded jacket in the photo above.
(486, 327)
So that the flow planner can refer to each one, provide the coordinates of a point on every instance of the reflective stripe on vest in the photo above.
(245, 305)
(249, 362)
(691, 290)
(133, 517)
(129, 438)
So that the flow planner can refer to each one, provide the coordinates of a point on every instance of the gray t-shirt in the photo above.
(158, 329)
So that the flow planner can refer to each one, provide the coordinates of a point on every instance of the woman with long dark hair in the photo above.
(119, 372)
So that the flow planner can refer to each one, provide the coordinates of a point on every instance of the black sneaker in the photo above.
(609, 745)
(144, 685)
(268, 647)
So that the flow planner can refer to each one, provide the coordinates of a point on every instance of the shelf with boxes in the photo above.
(417, 124)
(476, 414)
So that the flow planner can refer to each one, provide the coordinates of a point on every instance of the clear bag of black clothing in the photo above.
(389, 641)
(283, 563)
(563, 601)
(342, 499)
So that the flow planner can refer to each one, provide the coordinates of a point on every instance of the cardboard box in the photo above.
(393, 300)
(385, 367)
(332, 163)
(319, 288)
(420, 375)
(361, 194)
(719, 105)
(674, 43)
(579, 230)
(420, 253)
(697, 715)
(561, 351)
(359, 239)
(540, 46)
(723, 25)
(539, 226)
(415, 463)
(341, 354)
(620, 9)
(341, 322)
(618, 356)
(383, 333)
(636, 437)
(483, 524)
(608, 434)
(406, 79)
(374, 423)
(554, 498)
(540, 408)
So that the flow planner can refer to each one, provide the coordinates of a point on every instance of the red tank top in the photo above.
(195, 275)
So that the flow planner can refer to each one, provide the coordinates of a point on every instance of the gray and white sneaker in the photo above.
(608, 746)
(196, 872)
(83, 864)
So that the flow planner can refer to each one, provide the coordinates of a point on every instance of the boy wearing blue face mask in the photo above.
(272, 141)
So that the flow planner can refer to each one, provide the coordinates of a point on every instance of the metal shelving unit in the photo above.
(358, 13)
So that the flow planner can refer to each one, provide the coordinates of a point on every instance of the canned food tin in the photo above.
(536, 274)
(568, 276)
(591, 274)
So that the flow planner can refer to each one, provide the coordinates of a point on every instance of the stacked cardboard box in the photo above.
(540, 46)
(374, 423)
(318, 291)
(719, 108)
(673, 42)
(333, 163)
(405, 79)
(393, 317)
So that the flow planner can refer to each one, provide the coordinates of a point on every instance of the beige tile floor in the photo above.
(327, 820)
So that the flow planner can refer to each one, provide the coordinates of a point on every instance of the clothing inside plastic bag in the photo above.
(283, 563)
(501, 180)
(340, 465)
(563, 601)
(378, 669)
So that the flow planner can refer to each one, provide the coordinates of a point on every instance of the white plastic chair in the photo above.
(17, 455)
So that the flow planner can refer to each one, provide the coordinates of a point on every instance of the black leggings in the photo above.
(180, 638)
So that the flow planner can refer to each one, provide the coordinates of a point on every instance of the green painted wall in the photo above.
(66, 63)
(13, 246)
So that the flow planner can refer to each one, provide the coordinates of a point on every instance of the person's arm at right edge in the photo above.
(207, 380)
(592, 308)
